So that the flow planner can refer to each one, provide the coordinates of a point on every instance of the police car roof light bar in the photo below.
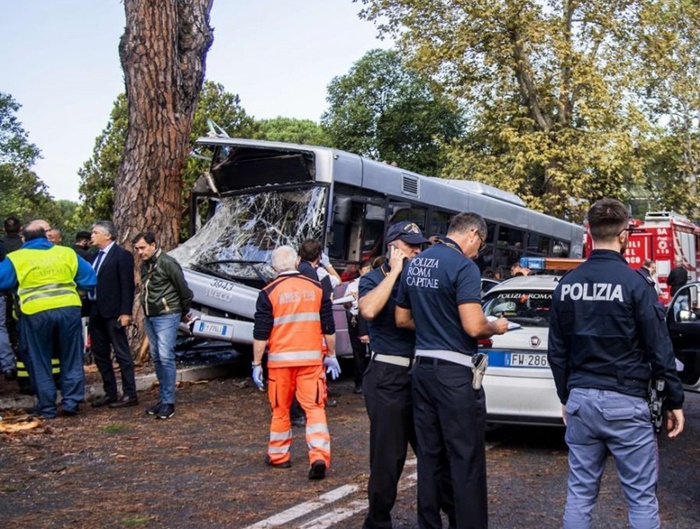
(550, 263)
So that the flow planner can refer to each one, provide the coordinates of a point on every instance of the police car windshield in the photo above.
(529, 309)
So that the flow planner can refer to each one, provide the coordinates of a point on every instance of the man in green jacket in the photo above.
(166, 300)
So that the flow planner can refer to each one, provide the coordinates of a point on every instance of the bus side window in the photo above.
(402, 212)
(439, 221)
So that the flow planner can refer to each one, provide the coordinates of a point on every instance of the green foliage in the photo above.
(97, 176)
(383, 110)
(114, 428)
(668, 48)
(551, 88)
(24, 195)
(290, 130)
(15, 148)
(22, 192)
(98, 173)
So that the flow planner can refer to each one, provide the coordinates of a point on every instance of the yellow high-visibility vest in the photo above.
(46, 278)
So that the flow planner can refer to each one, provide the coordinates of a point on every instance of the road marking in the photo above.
(337, 515)
(302, 509)
(341, 513)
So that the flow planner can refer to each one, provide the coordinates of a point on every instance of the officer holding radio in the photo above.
(440, 297)
(387, 383)
(607, 341)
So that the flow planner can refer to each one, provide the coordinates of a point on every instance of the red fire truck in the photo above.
(664, 237)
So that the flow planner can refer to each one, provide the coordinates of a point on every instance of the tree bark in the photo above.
(163, 53)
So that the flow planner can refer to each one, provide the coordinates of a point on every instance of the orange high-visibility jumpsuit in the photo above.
(292, 314)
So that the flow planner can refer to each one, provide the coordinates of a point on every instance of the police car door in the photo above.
(683, 319)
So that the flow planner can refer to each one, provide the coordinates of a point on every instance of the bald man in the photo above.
(47, 277)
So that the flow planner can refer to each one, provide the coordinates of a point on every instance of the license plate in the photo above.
(528, 360)
(212, 328)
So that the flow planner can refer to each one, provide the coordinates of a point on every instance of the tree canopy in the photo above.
(291, 130)
(383, 110)
(22, 193)
(551, 89)
(97, 176)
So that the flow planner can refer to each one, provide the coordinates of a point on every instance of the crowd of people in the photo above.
(51, 291)
(422, 308)
(414, 319)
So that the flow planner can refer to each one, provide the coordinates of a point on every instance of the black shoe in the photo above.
(299, 421)
(154, 409)
(10, 374)
(103, 401)
(284, 464)
(358, 389)
(125, 402)
(165, 411)
(69, 413)
(317, 470)
(331, 403)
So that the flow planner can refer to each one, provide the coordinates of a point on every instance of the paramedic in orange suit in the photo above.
(292, 316)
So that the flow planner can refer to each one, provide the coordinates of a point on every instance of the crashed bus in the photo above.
(258, 195)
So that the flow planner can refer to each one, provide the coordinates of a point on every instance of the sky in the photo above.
(60, 61)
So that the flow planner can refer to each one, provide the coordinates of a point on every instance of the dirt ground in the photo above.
(204, 468)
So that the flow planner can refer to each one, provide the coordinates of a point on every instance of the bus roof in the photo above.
(446, 194)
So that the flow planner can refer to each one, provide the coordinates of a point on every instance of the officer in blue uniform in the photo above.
(387, 384)
(607, 339)
(439, 296)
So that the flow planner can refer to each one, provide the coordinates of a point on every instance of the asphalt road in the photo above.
(204, 469)
(527, 473)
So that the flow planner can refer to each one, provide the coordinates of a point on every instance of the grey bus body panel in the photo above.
(232, 303)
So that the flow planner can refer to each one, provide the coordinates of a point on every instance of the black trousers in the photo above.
(450, 420)
(106, 332)
(359, 349)
(387, 392)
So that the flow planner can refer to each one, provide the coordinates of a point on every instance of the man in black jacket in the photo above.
(110, 314)
(677, 278)
(166, 300)
(607, 340)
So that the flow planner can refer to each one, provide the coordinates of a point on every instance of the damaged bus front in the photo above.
(254, 199)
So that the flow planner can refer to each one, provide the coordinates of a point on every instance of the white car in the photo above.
(518, 382)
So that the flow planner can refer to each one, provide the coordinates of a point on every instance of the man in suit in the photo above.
(110, 314)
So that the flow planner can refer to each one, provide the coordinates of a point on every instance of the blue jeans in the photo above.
(7, 355)
(162, 334)
(599, 419)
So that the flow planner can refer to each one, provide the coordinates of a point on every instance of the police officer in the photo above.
(607, 339)
(386, 383)
(46, 277)
(439, 296)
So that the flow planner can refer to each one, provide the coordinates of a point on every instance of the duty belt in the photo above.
(392, 359)
(462, 359)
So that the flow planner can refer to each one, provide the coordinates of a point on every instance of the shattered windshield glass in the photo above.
(237, 241)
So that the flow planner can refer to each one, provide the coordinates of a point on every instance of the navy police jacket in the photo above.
(608, 331)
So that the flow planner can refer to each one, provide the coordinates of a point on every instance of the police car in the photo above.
(683, 320)
(518, 382)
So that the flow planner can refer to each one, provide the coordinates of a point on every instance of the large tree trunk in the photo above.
(163, 52)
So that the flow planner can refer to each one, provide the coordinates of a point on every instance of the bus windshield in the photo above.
(237, 241)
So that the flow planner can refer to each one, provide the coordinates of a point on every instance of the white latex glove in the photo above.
(257, 377)
(332, 366)
(324, 261)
